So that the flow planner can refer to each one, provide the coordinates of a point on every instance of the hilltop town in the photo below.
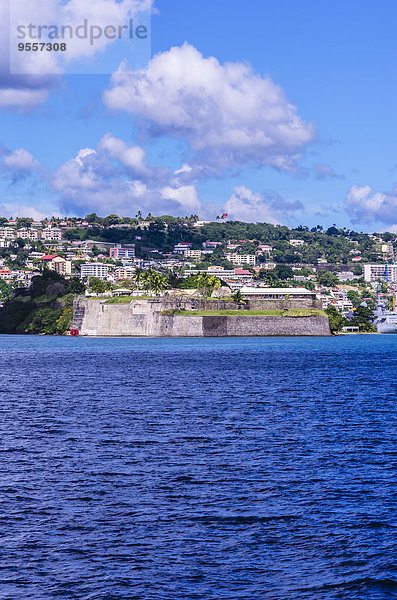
(119, 257)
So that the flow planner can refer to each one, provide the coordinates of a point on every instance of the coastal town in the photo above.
(119, 258)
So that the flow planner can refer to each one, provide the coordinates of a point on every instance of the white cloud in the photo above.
(364, 206)
(228, 114)
(186, 196)
(268, 207)
(14, 210)
(20, 161)
(245, 205)
(133, 158)
(114, 178)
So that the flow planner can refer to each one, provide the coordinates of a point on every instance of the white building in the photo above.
(27, 234)
(195, 254)
(125, 272)
(94, 270)
(277, 293)
(181, 247)
(241, 259)
(51, 234)
(380, 272)
(7, 233)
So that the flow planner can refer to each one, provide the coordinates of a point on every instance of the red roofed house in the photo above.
(57, 263)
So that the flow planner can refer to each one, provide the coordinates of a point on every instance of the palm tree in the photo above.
(239, 299)
(207, 283)
(138, 276)
(154, 281)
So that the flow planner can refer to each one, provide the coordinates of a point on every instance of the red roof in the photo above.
(49, 256)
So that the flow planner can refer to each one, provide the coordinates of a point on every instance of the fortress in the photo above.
(161, 317)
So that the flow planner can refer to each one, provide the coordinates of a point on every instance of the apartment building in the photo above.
(122, 252)
(241, 259)
(57, 263)
(194, 254)
(380, 272)
(94, 270)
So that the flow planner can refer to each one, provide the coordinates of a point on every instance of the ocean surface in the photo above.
(198, 469)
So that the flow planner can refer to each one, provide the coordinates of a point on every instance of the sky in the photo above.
(283, 112)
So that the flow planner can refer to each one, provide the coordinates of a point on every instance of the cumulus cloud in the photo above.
(133, 158)
(20, 161)
(364, 206)
(14, 210)
(229, 115)
(114, 177)
(245, 205)
(19, 164)
(185, 196)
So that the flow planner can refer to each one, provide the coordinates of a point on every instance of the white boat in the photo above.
(387, 323)
(386, 320)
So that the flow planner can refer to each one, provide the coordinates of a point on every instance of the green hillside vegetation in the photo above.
(165, 232)
(47, 309)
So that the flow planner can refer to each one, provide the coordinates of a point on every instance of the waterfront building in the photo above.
(262, 293)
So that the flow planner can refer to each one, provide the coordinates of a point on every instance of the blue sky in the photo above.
(292, 121)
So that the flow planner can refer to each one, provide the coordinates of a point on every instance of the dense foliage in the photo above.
(163, 233)
(48, 307)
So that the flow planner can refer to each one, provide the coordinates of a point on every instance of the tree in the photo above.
(268, 277)
(239, 299)
(92, 218)
(283, 272)
(363, 318)
(327, 279)
(75, 286)
(138, 276)
(358, 270)
(207, 283)
(111, 220)
(154, 281)
(332, 231)
(45, 321)
(336, 320)
(5, 291)
(20, 242)
(354, 297)
(98, 286)
(24, 222)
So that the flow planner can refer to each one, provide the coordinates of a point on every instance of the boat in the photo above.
(386, 320)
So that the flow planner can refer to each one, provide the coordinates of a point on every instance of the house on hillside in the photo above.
(57, 263)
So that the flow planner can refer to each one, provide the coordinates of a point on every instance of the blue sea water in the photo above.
(198, 469)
